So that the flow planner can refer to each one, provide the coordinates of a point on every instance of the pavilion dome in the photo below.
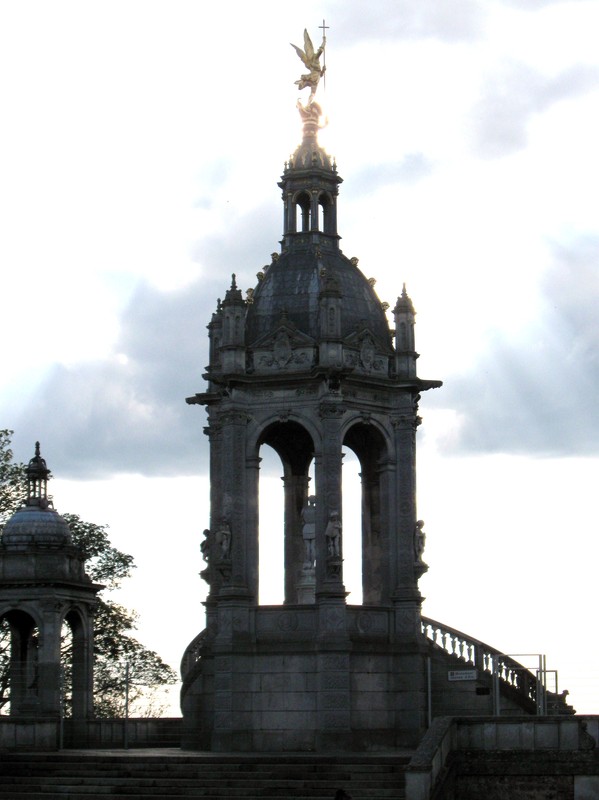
(36, 523)
(293, 283)
(33, 526)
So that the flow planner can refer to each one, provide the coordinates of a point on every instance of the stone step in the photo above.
(81, 776)
(35, 795)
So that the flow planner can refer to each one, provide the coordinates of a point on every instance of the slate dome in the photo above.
(292, 285)
(36, 523)
(32, 526)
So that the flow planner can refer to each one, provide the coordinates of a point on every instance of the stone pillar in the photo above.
(83, 655)
(406, 596)
(296, 491)
(329, 552)
(252, 484)
(230, 546)
(49, 667)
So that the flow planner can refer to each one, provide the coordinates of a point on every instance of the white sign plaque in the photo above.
(462, 675)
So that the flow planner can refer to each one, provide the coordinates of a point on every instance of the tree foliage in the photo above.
(13, 485)
(114, 644)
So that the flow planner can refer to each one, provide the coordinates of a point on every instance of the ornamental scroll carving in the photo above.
(331, 410)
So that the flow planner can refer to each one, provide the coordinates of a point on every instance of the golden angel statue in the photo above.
(311, 58)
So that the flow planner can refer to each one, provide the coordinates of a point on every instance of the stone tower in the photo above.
(308, 364)
(43, 585)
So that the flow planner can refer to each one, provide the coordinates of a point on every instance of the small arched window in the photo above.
(328, 222)
(302, 206)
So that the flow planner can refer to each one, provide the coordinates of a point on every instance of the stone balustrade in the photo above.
(483, 657)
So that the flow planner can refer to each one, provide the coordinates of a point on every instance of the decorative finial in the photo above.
(233, 281)
(37, 480)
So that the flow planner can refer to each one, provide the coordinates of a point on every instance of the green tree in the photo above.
(114, 644)
(13, 485)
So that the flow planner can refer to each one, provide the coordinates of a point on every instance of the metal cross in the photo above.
(324, 53)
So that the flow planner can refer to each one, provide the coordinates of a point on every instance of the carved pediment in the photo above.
(361, 351)
(284, 348)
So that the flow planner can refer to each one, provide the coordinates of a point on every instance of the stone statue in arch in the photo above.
(333, 535)
(222, 538)
(309, 531)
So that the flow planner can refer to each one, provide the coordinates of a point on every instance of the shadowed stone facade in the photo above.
(307, 364)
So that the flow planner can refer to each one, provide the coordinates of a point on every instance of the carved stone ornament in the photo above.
(282, 349)
(334, 410)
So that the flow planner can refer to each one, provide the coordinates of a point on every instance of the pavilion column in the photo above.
(406, 596)
(229, 539)
(329, 535)
(83, 654)
(296, 492)
(49, 670)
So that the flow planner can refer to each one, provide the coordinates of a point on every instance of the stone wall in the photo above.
(527, 758)
(52, 734)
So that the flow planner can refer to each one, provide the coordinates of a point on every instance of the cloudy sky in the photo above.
(141, 146)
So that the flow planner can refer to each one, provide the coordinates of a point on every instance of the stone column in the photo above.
(329, 551)
(230, 544)
(296, 491)
(49, 676)
(406, 596)
(83, 667)
(252, 484)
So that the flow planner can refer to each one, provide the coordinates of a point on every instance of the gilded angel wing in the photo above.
(300, 53)
(308, 47)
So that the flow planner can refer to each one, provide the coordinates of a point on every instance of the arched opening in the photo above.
(280, 539)
(66, 669)
(352, 527)
(303, 210)
(19, 663)
(4, 666)
(369, 447)
(271, 506)
(75, 666)
(327, 214)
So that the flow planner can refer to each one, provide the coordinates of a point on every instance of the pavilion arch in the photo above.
(295, 447)
(302, 212)
(327, 212)
(371, 444)
(24, 628)
(80, 660)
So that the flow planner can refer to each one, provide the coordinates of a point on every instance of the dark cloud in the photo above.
(460, 20)
(412, 169)
(511, 97)
(538, 395)
(128, 413)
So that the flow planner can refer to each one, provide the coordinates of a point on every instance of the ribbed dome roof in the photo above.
(292, 285)
(32, 526)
